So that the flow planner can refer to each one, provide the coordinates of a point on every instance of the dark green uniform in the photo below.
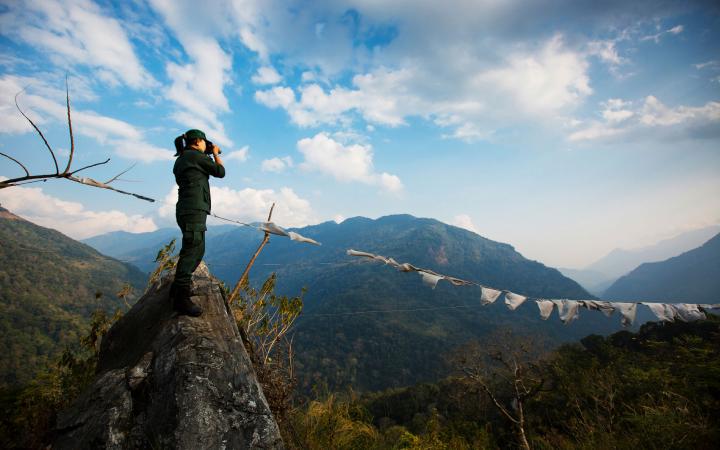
(192, 170)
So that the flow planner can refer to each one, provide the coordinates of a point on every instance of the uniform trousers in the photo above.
(193, 227)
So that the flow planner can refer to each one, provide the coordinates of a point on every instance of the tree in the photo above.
(509, 371)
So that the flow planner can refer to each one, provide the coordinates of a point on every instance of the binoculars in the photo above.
(208, 147)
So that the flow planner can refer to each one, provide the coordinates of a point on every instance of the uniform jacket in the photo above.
(192, 170)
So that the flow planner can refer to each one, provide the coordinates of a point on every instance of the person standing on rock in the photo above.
(192, 170)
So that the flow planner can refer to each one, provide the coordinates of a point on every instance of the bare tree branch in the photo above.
(116, 176)
(66, 173)
(95, 183)
(487, 390)
(12, 181)
(27, 182)
(72, 140)
(89, 166)
(21, 164)
(57, 170)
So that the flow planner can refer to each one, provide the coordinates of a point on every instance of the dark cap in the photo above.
(194, 134)
(183, 140)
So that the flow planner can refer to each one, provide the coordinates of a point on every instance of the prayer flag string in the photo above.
(568, 310)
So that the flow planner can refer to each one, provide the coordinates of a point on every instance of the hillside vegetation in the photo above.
(50, 285)
(655, 389)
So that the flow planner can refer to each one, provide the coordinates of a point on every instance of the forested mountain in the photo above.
(367, 325)
(692, 277)
(654, 389)
(50, 285)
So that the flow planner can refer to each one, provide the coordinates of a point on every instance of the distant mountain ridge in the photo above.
(140, 248)
(598, 276)
(340, 343)
(48, 287)
(619, 261)
(692, 277)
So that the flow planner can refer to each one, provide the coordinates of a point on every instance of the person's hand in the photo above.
(215, 150)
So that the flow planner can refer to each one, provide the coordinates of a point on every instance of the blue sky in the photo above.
(565, 128)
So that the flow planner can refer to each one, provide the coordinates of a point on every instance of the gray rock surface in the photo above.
(169, 381)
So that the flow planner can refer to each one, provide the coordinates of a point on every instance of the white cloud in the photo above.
(464, 221)
(42, 99)
(347, 163)
(537, 83)
(543, 82)
(606, 51)
(238, 155)
(141, 151)
(677, 29)
(377, 96)
(276, 164)
(594, 132)
(198, 86)
(616, 110)
(77, 31)
(654, 113)
(214, 129)
(71, 218)
(621, 118)
(252, 205)
(390, 183)
(266, 75)
(712, 64)
(278, 96)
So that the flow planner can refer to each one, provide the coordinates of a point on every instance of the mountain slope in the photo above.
(48, 287)
(693, 277)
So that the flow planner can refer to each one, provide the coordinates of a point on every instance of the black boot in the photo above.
(181, 301)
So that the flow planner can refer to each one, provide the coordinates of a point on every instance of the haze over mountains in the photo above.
(692, 277)
(598, 276)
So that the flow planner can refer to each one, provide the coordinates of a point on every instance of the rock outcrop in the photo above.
(170, 381)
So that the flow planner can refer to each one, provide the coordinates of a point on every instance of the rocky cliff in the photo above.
(169, 381)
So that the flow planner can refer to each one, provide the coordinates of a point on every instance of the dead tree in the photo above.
(511, 365)
(66, 173)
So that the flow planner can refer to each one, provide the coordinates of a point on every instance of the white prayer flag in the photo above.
(489, 296)
(605, 307)
(628, 311)
(300, 238)
(546, 308)
(662, 311)
(407, 267)
(513, 300)
(570, 311)
(352, 252)
(271, 228)
(430, 279)
(688, 312)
